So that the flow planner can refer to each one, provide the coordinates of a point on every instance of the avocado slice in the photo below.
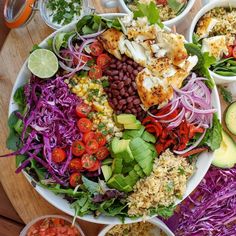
(126, 119)
(124, 151)
(150, 138)
(136, 125)
(138, 145)
(107, 161)
(118, 182)
(115, 145)
(130, 134)
(146, 165)
(143, 155)
(139, 171)
(127, 168)
(117, 165)
(225, 156)
(107, 172)
(130, 180)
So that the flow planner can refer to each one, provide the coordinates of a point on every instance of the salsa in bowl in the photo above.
(108, 123)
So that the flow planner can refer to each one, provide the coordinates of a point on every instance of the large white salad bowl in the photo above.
(203, 162)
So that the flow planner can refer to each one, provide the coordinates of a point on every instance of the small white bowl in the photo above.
(219, 79)
(124, 8)
(155, 221)
(31, 223)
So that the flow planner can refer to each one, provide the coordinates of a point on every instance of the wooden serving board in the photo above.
(27, 202)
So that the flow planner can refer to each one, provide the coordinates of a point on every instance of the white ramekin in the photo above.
(219, 79)
(124, 8)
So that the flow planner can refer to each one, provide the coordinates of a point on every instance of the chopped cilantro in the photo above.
(170, 186)
(101, 126)
(181, 170)
(105, 83)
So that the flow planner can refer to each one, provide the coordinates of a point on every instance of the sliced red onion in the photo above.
(66, 68)
(192, 146)
(178, 121)
(181, 114)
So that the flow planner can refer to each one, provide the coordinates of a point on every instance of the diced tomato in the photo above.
(78, 148)
(101, 139)
(193, 130)
(234, 52)
(96, 48)
(154, 128)
(230, 52)
(91, 146)
(95, 167)
(149, 120)
(82, 110)
(88, 136)
(84, 125)
(82, 60)
(95, 72)
(103, 60)
(58, 155)
(159, 148)
(194, 151)
(161, 2)
(102, 153)
(75, 179)
(75, 164)
(88, 161)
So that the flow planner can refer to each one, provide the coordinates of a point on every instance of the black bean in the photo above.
(120, 85)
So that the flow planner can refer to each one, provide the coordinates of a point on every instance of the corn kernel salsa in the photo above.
(52, 227)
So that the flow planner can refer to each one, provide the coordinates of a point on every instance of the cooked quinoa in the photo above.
(166, 183)
(135, 229)
(166, 13)
(226, 24)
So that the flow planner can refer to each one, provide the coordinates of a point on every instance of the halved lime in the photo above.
(43, 63)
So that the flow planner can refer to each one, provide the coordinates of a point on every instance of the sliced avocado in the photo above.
(130, 180)
(138, 145)
(130, 134)
(225, 156)
(146, 165)
(107, 172)
(116, 122)
(127, 189)
(112, 183)
(128, 168)
(134, 175)
(125, 152)
(136, 125)
(150, 138)
(139, 171)
(230, 117)
(115, 145)
(126, 119)
(152, 148)
(117, 165)
(107, 161)
(118, 182)
(143, 155)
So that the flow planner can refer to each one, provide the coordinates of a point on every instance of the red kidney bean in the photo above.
(135, 72)
(113, 86)
(130, 105)
(115, 92)
(114, 72)
(119, 66)
(116, 77)
(119, 107)
(113, 65)
(122, 102)
(137, 101)
(114, 101)
(129, 99)
(122, 91)
(120, 85)
(121, 74)
(126, 95)
(130, 69)
(134, 85)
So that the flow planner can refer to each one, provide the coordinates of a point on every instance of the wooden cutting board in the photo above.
(27, 202)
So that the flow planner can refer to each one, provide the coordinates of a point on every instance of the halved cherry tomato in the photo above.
(78, 148)
(75, 164)
(95, 167)
(159, 148)
(91, 146)
(102, 153)
(84, 125)
(161, 2)
(101, 139)
(95, 72)
(103, 60)
(230, 51)
(75, 179)
(88, 161)
(88, 136)
(82, 110)
(83, 60)
(58, 155)
(96, 48)
(234, 52)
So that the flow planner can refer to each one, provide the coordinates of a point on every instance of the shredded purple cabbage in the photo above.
(52, 120)
(211, 209)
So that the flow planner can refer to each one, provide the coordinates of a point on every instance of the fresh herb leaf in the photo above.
(12, 119)
(40, 171)
(20, 159)
(105, 83)
(163, 211)
(181, 170)
(115, 23)
(170, 186)
(151, 11)
(91, 186)
(196, 40)
(19, 97)
(101, 126)
(226, 94)
(13, 140)
(175, 5)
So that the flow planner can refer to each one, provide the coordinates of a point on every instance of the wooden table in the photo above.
(26, 201)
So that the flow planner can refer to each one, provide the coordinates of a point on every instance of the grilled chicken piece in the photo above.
(205, 26)
(111, 39)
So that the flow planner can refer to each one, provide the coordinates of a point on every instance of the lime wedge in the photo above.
(43, 63)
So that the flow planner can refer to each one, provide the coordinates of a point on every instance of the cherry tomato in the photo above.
(95, 72)
(161, 2)
(88, 161)
(83, 60)
(58, 155)
(95, 167)
(102, 153)
(78, 148)
(234, 52)
(82, 110)
(91, 146)
(84, 125)
(230, 51)
(75, 179)
(96, 48)
(100, 138)
(88, 136)
(103, 60)
(75, 164)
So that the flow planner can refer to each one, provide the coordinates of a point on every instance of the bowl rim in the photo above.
(209, 6)
(170, 22)
(66, 218)
(55, 200)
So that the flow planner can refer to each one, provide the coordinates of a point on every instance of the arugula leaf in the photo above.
(226, 94)
(20, 159)
(61, 39)
(204, 62)
(12, 119)
(91, 186)
(13, 140)
(151, 11)
(115, 23)
(40, 171)
(213, 136)
(175, 5)
(163, 211)
(19, 97)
